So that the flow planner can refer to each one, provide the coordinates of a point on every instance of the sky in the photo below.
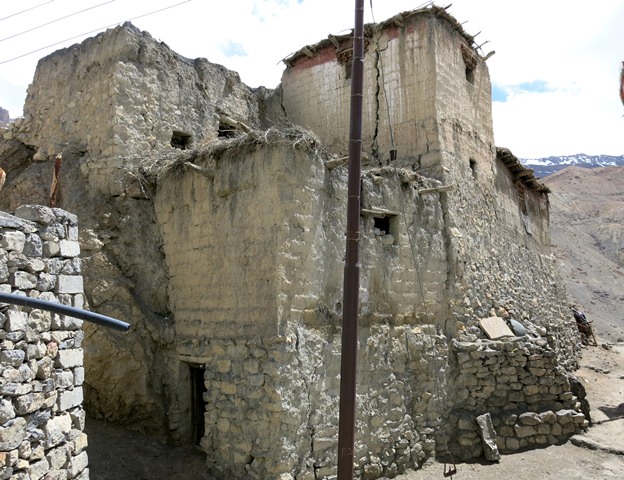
(555, 73)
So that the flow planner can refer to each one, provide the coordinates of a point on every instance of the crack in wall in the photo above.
(281, 94)
(450, 255)
(378, 80)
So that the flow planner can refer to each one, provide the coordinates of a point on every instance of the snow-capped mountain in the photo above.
(548, 165)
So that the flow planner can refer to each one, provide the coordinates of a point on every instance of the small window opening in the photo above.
(382, 225)
(198, 406)
(470, 74)
(226, 131)
(345, 58)
(473, 167)
(385, 229)
(470, 61)
(181, 140)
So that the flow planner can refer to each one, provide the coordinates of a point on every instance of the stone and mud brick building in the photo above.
(212, 219)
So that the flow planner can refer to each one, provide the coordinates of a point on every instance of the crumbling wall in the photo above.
(41, 353)
(122, 95)
(104, 104)
(283, 361)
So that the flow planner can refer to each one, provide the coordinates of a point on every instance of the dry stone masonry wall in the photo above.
(520, 385)
(41, 356)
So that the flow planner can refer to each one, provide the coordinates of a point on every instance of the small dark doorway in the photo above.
(198, 406)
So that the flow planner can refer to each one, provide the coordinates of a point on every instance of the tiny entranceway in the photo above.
(198, 406)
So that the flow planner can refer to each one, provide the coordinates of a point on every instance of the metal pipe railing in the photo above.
(64, 310)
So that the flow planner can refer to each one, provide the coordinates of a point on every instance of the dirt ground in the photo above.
(115, 454)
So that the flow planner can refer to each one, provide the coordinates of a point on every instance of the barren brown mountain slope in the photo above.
(587, 229)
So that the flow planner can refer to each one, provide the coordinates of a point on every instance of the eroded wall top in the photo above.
(122, 94)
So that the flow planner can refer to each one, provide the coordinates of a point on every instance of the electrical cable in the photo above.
(27, 10)
(56, 20)
(92, 31)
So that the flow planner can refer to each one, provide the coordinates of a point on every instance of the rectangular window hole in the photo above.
(381, 225)
(384, 228)
(181, 140)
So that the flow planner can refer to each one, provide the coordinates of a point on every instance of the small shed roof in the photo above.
(519, 171)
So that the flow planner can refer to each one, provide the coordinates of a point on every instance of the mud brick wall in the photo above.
(41, 359)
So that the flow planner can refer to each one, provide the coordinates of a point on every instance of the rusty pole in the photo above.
(348, 359)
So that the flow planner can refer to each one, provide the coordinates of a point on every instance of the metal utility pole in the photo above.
(351, 292)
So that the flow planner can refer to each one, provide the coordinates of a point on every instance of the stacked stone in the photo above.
(527, 394)
(41, 359)
(288, 388)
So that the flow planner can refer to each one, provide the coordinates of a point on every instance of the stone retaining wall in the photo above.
(520, 384)
(41, 359)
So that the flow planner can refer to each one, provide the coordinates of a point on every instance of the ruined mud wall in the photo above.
(122, 95)
(414, 383)
(273, 216)
(41, 354)
(104, 104)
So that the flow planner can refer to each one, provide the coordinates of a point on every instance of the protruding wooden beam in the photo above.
(378, 212)
(223, 118)
(206, 172)
(441, 188)
(336, 162)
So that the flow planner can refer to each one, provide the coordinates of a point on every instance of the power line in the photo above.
(54, 21)
(27, 10)
(92, 31)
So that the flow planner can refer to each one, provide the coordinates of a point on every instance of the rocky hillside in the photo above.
(587, 221)
(546, 166)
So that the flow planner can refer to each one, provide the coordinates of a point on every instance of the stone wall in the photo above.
(41, 356)
(518, 382)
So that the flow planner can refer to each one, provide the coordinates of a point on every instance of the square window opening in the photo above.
(385, 227)
(226, 131)
(181, 140)
(381, 225)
